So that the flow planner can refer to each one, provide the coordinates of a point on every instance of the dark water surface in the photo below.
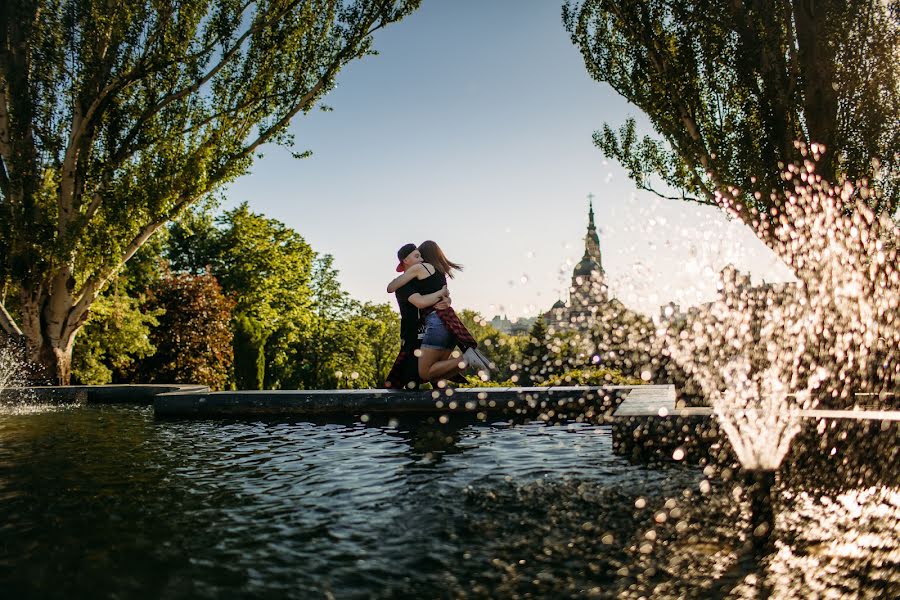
(109, 502)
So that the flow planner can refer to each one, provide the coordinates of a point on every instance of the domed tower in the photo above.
(588, 278)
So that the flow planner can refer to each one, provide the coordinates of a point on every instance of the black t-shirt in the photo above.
(409, 316)
(430, 284)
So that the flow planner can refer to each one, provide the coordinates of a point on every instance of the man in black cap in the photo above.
(405, 372)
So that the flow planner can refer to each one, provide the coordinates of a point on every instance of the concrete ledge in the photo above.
(95, 394)
(546, 402)
(651, 424)
(660, 401)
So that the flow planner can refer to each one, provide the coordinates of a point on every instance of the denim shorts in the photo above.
(437, 337)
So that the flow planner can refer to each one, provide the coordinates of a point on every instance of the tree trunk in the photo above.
(820, 98)
(55, 363)
(49, 326)
(8, 324)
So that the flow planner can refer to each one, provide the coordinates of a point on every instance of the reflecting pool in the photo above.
(109, 501)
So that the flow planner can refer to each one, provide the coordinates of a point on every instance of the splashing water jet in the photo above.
(762, 355)
(7, 370)
(10, 371)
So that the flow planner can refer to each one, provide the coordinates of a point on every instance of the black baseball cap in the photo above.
(402, 253)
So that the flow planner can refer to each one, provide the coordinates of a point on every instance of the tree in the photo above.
(567, 349)
(116, 117)
(326, 338)
(293, 324)
(623, 340)
(249, 345)
(114, 340)
(731, 87)
(317, 353)
(193, 340)
(503, 349)
(116, 336)
(265, 267)
(379, 329)
(534, 352)
(192, 240)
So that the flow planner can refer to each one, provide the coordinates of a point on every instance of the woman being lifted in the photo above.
(429, 276)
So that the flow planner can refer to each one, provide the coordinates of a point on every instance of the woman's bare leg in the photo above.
(444, 369)
(437, 364)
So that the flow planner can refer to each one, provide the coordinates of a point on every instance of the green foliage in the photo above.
(623, 340)
(502, 348)
(249, 355)
(348, 349)
(192, 241)
(731, 86)
(265, 267)
(590, 376)
(294, 326)
(535, 354)
(116, 336)
(194, 339)
(564, 350)
(117, 117)
(378, 328)
(473, 381)
(328, 346)
(322, 354)
(145, 268)
(162, 102)
(618, 344)
(619, 340)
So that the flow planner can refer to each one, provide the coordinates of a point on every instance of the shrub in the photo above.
(591, 377)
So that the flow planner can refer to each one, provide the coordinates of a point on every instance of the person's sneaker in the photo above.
(475, 359)
(492, 366)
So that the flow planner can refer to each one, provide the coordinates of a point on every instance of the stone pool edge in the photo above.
(553, 402)
(129, 393)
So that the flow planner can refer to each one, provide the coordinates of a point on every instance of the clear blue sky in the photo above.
(473, 128)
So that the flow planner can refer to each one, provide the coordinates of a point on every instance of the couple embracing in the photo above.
(429, 327)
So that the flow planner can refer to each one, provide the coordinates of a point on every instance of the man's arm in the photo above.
(420, 301)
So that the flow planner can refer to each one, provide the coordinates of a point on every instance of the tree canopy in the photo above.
(115, 117)
(193, 340)
(731, 87)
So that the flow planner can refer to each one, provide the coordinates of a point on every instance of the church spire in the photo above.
(592, 240)
(591, 212)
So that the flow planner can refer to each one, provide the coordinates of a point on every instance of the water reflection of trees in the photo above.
(429, 439)
(94, 508)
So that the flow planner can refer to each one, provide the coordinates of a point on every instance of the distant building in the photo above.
(732, 284)
(512, 327)
(597, 330)
(588, 292)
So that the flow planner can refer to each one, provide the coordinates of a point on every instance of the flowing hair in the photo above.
(432, 253)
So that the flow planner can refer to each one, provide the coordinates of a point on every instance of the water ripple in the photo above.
(108, 501)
